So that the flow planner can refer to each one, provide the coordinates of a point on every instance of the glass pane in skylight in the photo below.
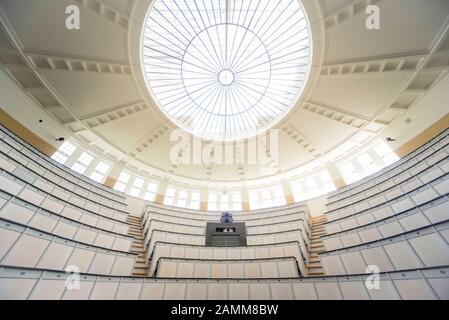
(225, 69)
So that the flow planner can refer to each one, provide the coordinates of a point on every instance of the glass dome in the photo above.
(225, 69)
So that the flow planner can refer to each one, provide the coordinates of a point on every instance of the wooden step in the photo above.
(315, 274)
(135, 225)
(316, 251)
(318, 233)
(313, 267)
(315, 247)
(137, 251)
(133, 218)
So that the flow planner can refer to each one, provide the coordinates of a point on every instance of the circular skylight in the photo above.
(226, 69)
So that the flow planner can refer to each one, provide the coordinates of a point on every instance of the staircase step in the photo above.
(137, 251)
(316, 274)
(313, 267)
(316, 250)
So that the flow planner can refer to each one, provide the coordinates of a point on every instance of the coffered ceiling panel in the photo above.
(41, 25)
(406, 27)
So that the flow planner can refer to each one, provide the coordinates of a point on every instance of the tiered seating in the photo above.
(52, 219)
(20, 283)
(399, 220)
(191, 252)
(345, 195)
(267, 268)
(49, 218)
(33, 159)
(267, 230)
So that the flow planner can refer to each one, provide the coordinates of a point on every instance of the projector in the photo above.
(226, 217)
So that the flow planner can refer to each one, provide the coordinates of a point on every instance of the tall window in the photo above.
(122, 181)
(387, 155)
(150, 193)
(298, 191)
(64, 152)
(312, 186)
(349, 173)
(225, 201)
(100, 172)
(169, 198)
(195, 200)
(367, 163)
(83, 162)
(136, 188)
(235, 201)
(212, 201)
(266, 198)
(182, 199)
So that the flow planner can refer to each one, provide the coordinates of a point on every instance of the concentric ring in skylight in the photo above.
(226, 69)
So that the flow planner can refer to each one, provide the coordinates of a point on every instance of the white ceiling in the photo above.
(89, 80)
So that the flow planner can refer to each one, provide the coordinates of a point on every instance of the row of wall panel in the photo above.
(427, 171)
(158, 235)
(387, 173)
(19, 145)
(22, 213)
(400, 197)
(17, 283)
(282, 250)
(55, 203)
(246, 215)
(27, 247)
(376, 229)
(59, 188)
(427, 247)
(227, 269)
